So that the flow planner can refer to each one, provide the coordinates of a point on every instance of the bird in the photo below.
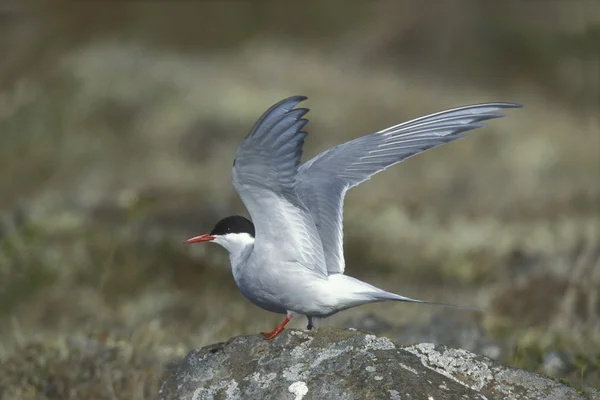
(289, 259)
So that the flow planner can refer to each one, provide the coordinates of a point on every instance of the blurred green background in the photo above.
(119, 122)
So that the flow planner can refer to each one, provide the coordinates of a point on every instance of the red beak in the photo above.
(202, 238)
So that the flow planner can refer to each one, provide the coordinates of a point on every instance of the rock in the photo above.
(347, 364)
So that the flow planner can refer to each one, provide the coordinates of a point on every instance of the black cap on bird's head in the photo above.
(233, 224)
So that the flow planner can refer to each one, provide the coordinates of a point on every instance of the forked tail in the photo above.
(352, 292)
(385, 296)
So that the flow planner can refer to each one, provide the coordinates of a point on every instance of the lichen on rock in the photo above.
(347, 364)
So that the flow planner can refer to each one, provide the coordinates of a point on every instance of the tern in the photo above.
(290, 258)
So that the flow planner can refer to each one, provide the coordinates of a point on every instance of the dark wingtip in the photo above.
(497, 104)
(296, 98)
(512, 105)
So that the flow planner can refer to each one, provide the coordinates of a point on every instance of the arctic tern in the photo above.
(290, 258)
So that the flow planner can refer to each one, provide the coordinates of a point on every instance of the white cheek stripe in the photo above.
(235, 242)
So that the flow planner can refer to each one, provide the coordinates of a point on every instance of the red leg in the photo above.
(278, 330)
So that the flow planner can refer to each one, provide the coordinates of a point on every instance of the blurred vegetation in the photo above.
(119, 121)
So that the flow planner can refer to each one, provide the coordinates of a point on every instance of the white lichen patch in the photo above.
(208, 393)
(378, 377)
(326, 354)
(394, 395)
(262, 381)
(300, 334)
(370, 369)
(295, 372)
(373, 342)
(506, 379)
(202, 393)
(233, 392)
(406, 367)
(299, 389)
(300, 349)
(300, 371)
(452, 363)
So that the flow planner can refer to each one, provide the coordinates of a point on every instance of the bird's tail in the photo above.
(382, 295)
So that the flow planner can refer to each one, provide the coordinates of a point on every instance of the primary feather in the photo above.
(264, 175)
(322, 182)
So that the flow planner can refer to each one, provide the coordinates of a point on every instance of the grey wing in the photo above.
(322, 182)
(264, 173)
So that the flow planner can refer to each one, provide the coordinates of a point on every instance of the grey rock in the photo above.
(347, 364)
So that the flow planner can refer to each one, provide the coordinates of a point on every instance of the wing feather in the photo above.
(264, 174)
(322, 182)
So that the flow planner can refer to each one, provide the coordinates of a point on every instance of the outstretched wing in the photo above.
(323, 181)
(264, 173)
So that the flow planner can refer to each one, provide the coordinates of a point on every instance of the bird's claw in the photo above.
(278, 330)
(271, 335)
